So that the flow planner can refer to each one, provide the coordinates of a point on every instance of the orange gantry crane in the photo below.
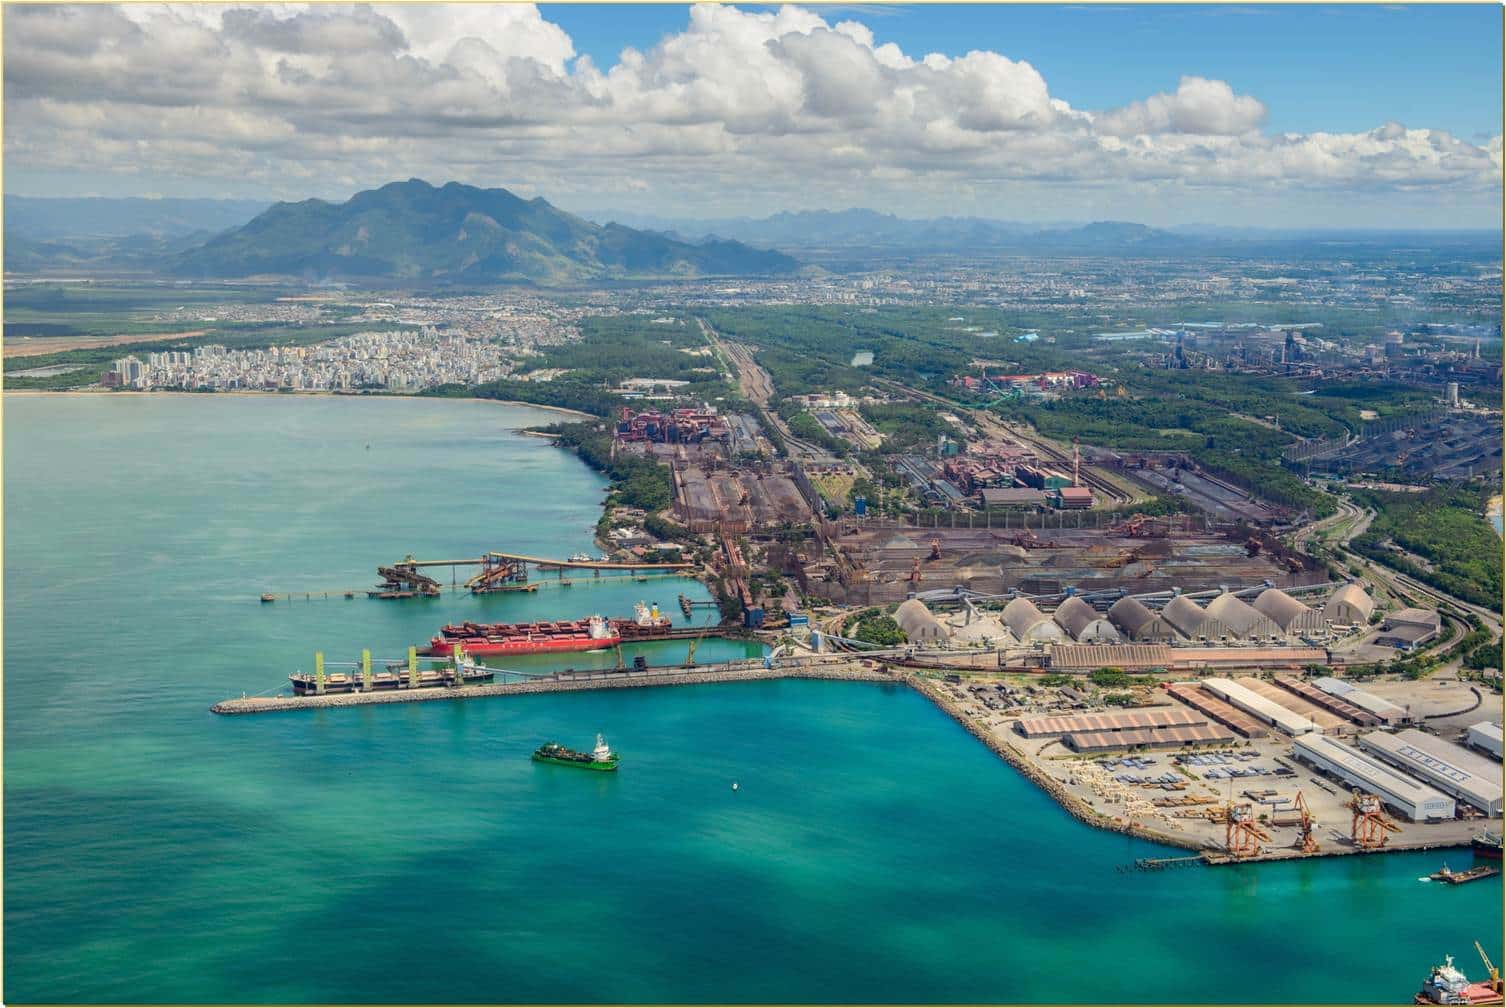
(1369, 826)
(1242, 835)
(1306, 841)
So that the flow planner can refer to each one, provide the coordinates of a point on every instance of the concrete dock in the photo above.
(815, 667)
(1049, 775)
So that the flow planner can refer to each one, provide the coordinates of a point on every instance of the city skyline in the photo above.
(719, 111)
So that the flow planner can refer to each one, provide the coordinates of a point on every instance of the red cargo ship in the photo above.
(590, 634)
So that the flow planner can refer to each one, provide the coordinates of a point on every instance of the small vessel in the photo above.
(269, 597)
(1473, 874)
(599, 758)
(734, 785)
(1487, 845)
(1447, 985)
(580, 558)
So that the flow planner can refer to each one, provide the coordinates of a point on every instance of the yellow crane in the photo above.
(1495, 974)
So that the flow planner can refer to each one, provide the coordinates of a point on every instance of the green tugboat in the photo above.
(600, 758)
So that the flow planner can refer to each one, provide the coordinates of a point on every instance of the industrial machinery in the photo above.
(1495, 974)
(1307, 842)
(1242, 835)
(935, 549)
(404, 581)
(1369, 826)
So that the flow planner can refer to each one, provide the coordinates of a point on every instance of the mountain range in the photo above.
(415, 232)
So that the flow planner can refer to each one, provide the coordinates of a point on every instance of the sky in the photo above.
(1342, 116)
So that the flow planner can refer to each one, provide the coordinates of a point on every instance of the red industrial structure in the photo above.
(675, 427)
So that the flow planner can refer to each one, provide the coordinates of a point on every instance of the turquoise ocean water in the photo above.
(874, 852)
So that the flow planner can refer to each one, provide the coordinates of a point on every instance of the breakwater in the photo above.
(737, 671)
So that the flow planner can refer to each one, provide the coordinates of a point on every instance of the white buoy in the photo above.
(734, 785)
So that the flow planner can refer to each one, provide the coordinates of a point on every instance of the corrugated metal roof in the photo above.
(1220, 710)
(1441, 761)
(1177, 735)
(1109, 721)
(1239, 696)
(1124, 656)
(1328, 701)
(1351, 693)
(1368, 770)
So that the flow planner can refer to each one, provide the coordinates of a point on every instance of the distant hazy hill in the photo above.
(414, 232)
(870, 230)
(50, 220)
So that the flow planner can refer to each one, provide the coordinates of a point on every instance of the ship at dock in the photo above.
(463, 673)
(1447, 985)
(590, 634)
(1487, 845)
(599, 758)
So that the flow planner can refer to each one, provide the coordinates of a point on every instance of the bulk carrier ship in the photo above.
(590, 634)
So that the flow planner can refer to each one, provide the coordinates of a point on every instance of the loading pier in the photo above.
(499, 572)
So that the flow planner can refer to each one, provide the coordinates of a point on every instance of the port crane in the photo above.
(1495, 974)
(1307, 842)
(1242, 835)
(1369, 826)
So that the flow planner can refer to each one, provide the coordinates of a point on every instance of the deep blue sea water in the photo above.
(874, 852)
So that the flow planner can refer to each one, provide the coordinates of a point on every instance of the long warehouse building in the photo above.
(1261, 708)
(1169, 737)
(1410, 798)
(1328, 702)
(1387, 711)
(1450, 768)
(1196, 697)
(1486, 736)
(1126, 720)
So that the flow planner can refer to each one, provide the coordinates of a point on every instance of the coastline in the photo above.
(99, 391)
(826, 667)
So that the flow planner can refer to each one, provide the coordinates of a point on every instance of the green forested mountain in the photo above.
(412, 231)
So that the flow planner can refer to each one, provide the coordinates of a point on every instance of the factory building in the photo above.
(1409, 798)
(1175, 737)
(1259, 707)
(1112, 721)
(1291, 616)
(1450, 768)
(917, 622)
(1328, 702)
(1385, 710)
(1137, 623)
(1191, 621)
(1029, 624)
(1486, 737)
(1242, 620)
(1083, 623)
(1406, 629)
(1074, 498)
(1349, 605)
(1199, 699)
